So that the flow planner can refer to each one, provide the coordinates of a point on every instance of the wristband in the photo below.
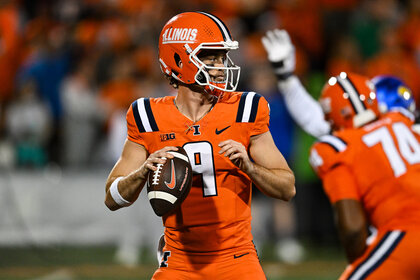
(278, 66)
(284, 76)
(116, 194)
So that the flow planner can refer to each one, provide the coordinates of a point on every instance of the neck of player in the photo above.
(194, 104)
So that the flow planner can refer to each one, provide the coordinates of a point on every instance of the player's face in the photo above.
(214, 58)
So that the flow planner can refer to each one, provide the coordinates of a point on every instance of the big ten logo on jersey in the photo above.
(167, 136)
(179, 35)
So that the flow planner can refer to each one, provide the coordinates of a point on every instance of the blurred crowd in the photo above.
(69, 69)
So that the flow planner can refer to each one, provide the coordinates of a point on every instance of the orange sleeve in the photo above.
(133, 133)
(262, 119)
(339, 184)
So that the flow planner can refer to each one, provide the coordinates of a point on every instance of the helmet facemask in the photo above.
(231, 72)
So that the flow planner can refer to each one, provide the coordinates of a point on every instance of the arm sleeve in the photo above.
(306, 111)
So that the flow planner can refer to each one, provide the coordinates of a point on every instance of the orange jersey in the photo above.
(216, 215)
(382, 160)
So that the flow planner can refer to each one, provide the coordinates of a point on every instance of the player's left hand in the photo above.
(237, 153)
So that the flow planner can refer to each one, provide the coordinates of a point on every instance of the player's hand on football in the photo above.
(280, 52)
(237, 153)
(158, 157)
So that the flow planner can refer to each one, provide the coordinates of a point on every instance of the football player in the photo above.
(392, 93)
(370, 169)
(369, 164)
(209, 235)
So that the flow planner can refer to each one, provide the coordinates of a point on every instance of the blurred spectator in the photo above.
(336, 21)
(367, 22)
(303, 20)
(410, 36)
(345, 57)
(116, 96)
(410, 27)
(122, 88)
(10, 47)
(48, 66)
(82, 117)
(28, 125)
(114, 33)
(86, 33)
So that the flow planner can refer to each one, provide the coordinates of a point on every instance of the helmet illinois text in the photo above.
(181, 35)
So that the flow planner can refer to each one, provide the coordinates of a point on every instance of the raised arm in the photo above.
(306, 111)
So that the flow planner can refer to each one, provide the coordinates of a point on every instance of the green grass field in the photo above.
(95, 263)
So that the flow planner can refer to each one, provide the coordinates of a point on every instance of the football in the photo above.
(169, 185)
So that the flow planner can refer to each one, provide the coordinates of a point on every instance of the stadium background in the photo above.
(69, 70)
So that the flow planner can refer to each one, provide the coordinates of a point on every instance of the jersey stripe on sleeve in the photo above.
(143, 115)
(336, 143)
(248, 107)
(150, 116)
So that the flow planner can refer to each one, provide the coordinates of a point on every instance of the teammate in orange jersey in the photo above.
(209, 236)
(370, 168)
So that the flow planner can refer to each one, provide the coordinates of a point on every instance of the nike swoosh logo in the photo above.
(223, 129)
(241, 255)
(171, 184)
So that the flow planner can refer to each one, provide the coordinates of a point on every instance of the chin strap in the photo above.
(213, 91)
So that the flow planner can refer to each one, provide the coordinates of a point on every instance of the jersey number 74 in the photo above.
(403, 146)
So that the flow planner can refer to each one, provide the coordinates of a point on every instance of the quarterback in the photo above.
(226, 136)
